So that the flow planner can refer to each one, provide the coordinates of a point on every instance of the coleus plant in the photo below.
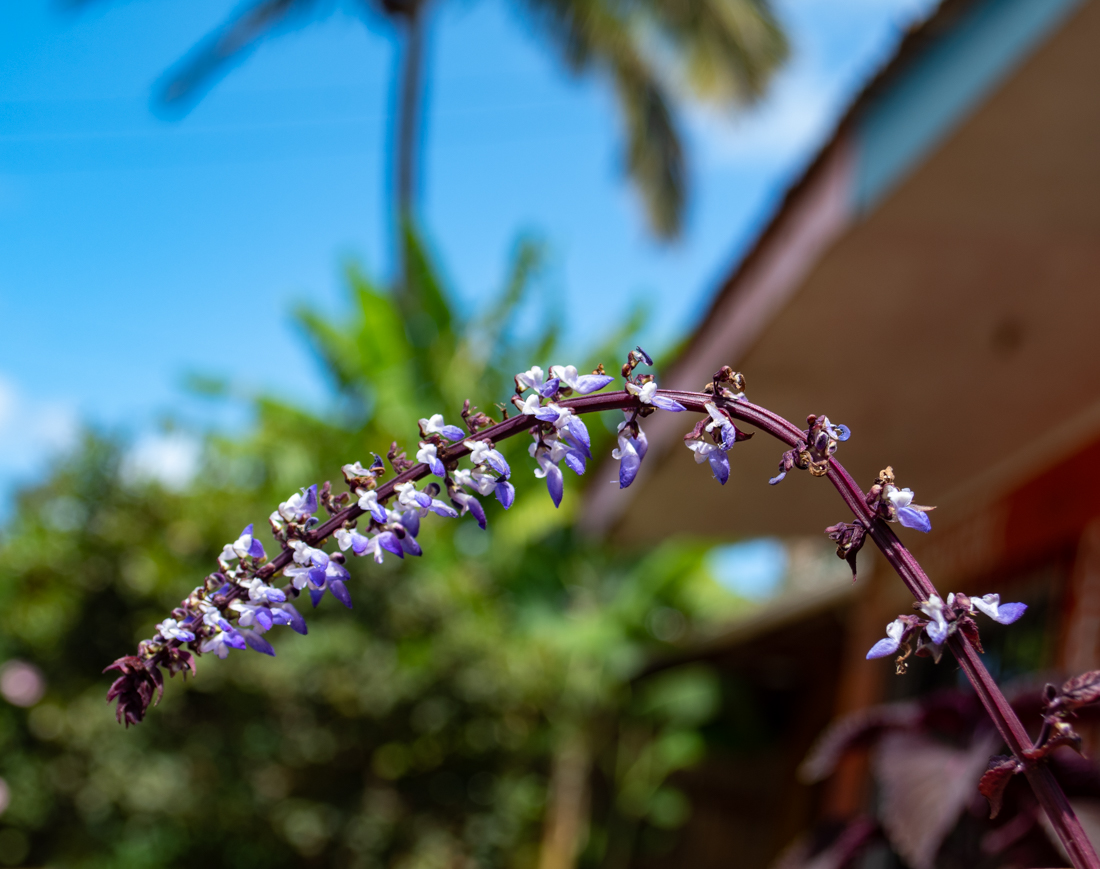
(238, 603)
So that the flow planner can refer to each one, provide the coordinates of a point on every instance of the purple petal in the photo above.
(441, 509)
(546, 414)
(338, 571)
(937, 633)
(388, 541)
(778, 478)
(720, 464)
(310, 504)
(437, 467)
(247, 530)
(842, 432)
(883, 648)
(648, 359)
(477, 511)
(641, 444)
(359, 543)
(628, 469)
(587, 383)
(498, 463)
(256, 548)
(1007, 613)
(579, 433)
(256, 642)
(234, 638)
(409, 544)
(317, 576)
(411, 522)
(452, 433)
(549, 387)
(378, 514)
(340, 592)
(423, 499)
(263, 617)
(555, 484)
(729, 435)
(916, 519)
(506, 493)
(315, 595)
(666, 403)
(575, 461)
(296, 621)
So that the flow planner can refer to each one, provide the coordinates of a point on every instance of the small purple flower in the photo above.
(250, 614)
(532, 406)
(258, 590)
(245, 545)
(894, 632)
(534, 379)
(255, 641)
(286, 614)
(629, 454)
(582, 384)
(648, 359)
(410, 521)
(299, 507)
(435, 425)
(722, 422)
(368, 503)
(715, 454)
(647, 394)
(472, 505)
(909, 516)
(549, 470)
(429, 455)
(336, 576)
(505, 492)
(482, 453)
(1005, 613)
(937, 628)
(222, 641)
(410, 545)
(170, 629)
(388, 540)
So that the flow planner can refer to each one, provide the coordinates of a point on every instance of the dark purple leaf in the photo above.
(992, 786)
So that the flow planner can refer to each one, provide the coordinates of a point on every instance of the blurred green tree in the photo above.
(479, 706)
(658, 54)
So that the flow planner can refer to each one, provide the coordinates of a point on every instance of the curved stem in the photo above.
(1042, 781)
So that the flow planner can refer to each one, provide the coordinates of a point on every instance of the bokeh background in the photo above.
(218, 288)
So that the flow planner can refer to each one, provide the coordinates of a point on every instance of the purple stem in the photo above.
(1043, 783)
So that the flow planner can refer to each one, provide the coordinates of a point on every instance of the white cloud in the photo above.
(171, 459)
(32, 430)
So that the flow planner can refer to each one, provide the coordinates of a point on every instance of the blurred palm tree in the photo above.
(657, 53)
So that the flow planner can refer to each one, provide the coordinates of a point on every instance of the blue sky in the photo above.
(135, 249)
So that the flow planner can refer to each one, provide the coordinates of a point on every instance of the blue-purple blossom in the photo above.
(534, 379)
(505, 492)
(245, 545)
(435, 425)
(909, 516)
(286, 614)
(259, 590)
(548, 469)
(889, 645)
(171, 629)
(629, 455)
(718, 420)
(582, 384)
(835, 431)
(572, 428)
(647, 394)
(368, 503)
(255, 641)
(648, 359)
(472, 505)
(482, 453)
(250, 614)
(421, 502)
(299, 507)
(715, 454)
(336, 576)
(429, 455)
(1005, 613)
(937, 627)
(532, 406)
(222, 641)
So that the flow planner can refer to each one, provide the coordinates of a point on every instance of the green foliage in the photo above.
(417, 730)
